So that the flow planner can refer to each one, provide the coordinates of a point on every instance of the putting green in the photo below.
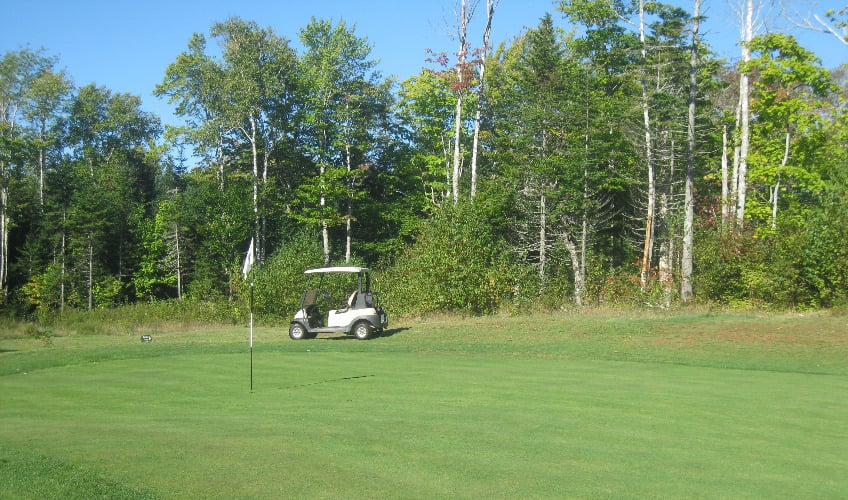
(333, 423)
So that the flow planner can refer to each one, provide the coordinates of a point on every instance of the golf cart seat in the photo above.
(351, 303)
(310, 307)
(310, 298)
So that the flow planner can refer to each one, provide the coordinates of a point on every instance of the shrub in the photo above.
(824, 257)
(721, 260)
(458, 263)
(279, 280)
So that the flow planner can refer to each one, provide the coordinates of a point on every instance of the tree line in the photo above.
(621, 162)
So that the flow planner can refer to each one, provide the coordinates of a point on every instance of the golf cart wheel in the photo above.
(362, 330)
(297, 332)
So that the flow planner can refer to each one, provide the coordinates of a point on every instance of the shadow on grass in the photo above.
(386, 333)
(342, 379)
(393, 331)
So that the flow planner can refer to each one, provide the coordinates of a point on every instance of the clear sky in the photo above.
(125, 45)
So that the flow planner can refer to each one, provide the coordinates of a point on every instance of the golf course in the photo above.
(564, 405)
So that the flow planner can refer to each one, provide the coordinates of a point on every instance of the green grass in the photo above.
(595, 405)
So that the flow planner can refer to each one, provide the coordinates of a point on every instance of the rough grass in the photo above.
(590, 405)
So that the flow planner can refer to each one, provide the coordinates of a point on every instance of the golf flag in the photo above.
(248, 260)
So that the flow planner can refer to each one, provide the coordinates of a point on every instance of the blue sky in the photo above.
(125, 45)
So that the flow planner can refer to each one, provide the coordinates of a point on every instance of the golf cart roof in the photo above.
(336, 270)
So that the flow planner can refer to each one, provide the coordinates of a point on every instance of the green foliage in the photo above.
(279, 281)
(721, 261)
(218, 227)
(318, 138)
(459, 263)
(793, 267)
(788, 97)
(43, 289)
(426, 109)
(151, 275)
(345, 102)
(824, 257)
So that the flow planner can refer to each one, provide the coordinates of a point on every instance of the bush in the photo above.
(794, 266)
(279, 282)
(721, 261)
(458, 263)
(824, 258)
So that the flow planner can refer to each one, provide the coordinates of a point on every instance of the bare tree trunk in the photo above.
(575, 258)
(580, 276)
(464, 18)
(666, 249)
(348, 228)
(776, 195)
(41, 176)
(481, 94)
(179, 264)
(744, 100)
(62, 270)
(543, 237)
(725, 181)
(220, 154)
(4, 239)
(325, 232)
(666, 229)
(456, 156)
(647, 250)
(734, 177)
(687, 258)
(263, 228)
(90, 273)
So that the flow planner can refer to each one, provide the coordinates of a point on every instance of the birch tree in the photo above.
(425, 110)
(20, 72)
(48, 96)
(110, 182)
(833, 22)
(464, 16)
(481, 92)
(193, 83)
(747, 11)
(650, 211)
(687, 258)
(788, 96)
(343, 97)
(257, 92)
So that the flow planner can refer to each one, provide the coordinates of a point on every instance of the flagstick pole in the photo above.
(249, 259)
(251, 334)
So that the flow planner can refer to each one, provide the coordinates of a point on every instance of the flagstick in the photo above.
(249, 259)
(251, 334)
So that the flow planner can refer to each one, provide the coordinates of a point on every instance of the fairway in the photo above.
(476, 409)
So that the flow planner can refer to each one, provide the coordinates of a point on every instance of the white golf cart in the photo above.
(358, 313)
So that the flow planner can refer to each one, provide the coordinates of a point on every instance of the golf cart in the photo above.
(357, 314)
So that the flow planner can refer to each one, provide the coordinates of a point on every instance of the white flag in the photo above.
(248, 260)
